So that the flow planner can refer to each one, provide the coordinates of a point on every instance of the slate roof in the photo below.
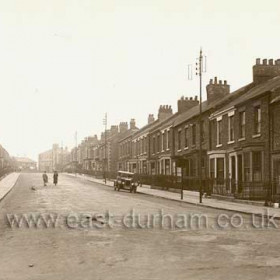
(147, 127)
(128, 133)
(275, 100)
(269, 86)
(193, 112)
(168, 121)
(239, 96)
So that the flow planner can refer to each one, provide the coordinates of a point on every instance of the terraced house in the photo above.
(275, 131)
(143, 145)
(125, 162)
(162, 140)
(241, 154)
(187, 135)
(239, 140)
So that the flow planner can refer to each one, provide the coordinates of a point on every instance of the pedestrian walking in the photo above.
(45, 178)
(55, 177)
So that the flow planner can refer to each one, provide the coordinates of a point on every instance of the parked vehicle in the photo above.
(126, 181)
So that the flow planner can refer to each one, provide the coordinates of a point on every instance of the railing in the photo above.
(275, 190)
(253, 191)
(241, 190)
(99, 174)
(172, 182)
(222, 186)
(225, 187)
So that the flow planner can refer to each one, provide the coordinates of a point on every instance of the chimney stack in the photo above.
(123, 127)
(151, 118)
(164, 112)
(217, 90)
(132, 124)
(266, 70)
(185, 103)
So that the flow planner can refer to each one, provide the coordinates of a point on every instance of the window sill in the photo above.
(167, 149)
(219, 145)
(231, 142)
(179, 150)
(241, 139)
(256, 136)
(186, 148)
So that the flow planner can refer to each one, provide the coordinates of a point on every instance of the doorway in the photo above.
(276, 176)
(240, 172)
(233, 175)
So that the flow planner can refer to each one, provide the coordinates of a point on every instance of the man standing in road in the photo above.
(55, 177)
(45, 178)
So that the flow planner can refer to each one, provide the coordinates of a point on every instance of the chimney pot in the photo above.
(211, 81)
(132, 123)
(216, 80)
(151, 118)
(220, 82)
(258, 61)
(267, 71)
(225, 82)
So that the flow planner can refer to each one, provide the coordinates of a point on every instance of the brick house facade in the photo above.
(125, 147)
(275, 143)
(240, 139)
(163, 140)
(239, 158)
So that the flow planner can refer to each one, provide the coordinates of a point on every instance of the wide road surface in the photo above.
(81, 244)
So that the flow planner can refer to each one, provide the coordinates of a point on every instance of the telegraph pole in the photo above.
(200, 126)
(200, 69)
(105, 148)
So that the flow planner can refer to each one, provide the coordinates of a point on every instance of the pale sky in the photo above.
(64, 63)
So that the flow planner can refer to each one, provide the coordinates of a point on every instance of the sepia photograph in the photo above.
(139, 140)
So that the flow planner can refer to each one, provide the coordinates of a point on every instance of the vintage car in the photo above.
(125, 180)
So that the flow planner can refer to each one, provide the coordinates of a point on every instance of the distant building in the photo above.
(5, 159)
(24, 163)
(55, 159)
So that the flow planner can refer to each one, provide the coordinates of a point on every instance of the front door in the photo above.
(233, 175)
(276, 176)
(240, 172)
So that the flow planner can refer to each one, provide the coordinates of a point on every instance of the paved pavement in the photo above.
(193, 198)
(75, 249)
(7, 183)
